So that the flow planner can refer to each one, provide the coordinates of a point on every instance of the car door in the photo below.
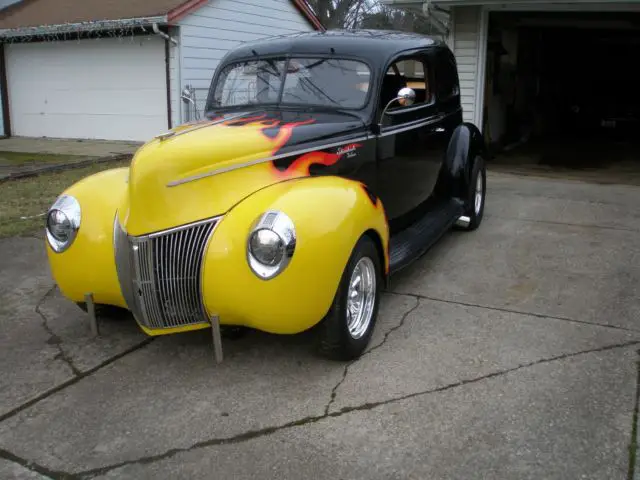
(410, 147)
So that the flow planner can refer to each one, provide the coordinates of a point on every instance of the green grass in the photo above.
(23, 158)
(31, 197)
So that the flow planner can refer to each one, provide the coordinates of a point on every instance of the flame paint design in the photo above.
(301, 165)
(375, 201)
(274, 135)
(285, 132)
(282, 134)
(377, 204)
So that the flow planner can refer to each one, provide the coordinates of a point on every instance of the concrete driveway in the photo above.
(507, 353)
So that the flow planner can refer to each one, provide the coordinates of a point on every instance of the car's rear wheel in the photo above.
(346, 330)
(476, 194)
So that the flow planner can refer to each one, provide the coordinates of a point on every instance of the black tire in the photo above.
(334, 339)
(475, 215)
(107, 311)
(230, 332)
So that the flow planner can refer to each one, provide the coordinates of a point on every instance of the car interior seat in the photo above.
(391, 85)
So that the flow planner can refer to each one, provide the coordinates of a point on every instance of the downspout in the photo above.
(167, 39)
(157, 31)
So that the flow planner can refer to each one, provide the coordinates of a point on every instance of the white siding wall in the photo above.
(207, 34)
(466, 43)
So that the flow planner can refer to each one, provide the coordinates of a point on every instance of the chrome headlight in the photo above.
(63, 222)
(271, 244)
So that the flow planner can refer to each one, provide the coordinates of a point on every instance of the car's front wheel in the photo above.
(346, 330)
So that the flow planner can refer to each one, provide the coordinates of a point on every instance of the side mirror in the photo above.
(187, 96)
(406, 97)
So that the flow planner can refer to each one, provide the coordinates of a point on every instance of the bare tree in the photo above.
(368, 14)
(388, 18)
(341, 13)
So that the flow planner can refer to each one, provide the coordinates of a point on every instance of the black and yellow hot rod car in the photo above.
(325, 162)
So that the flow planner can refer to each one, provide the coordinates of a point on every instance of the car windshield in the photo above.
(326, 82)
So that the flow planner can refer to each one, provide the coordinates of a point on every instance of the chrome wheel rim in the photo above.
(478, 197)
(361, 297)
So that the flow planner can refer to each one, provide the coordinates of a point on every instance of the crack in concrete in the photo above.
(517, 312)
(334, 390)
(75, 379)
(36, 468)
(253, 434)
(633, 443)
(53, 338)
(393, 329)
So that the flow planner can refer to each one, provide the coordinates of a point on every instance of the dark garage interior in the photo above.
(562, 93)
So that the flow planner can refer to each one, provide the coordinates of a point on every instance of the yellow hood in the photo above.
(171, 181)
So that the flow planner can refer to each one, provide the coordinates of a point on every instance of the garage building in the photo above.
(557, 81)
(93, 69)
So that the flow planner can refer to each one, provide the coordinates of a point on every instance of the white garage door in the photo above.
(108, 88)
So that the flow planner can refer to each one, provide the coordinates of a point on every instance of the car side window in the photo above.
(412, 72)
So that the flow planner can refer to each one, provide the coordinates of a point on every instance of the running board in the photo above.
(414, 241)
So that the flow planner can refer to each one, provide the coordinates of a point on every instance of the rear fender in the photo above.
(330, 214)
(466, 143)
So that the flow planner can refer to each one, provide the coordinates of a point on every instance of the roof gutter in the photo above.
(82, 27)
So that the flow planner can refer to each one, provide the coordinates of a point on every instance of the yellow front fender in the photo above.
(88, 265)
(329, 214)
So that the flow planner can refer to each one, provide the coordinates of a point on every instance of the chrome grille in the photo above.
(159, 274)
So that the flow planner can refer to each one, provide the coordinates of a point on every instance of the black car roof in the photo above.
(374, 45)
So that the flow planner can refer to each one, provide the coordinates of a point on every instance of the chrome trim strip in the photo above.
(182, 266)
(264, 160)
(160, 273)
(181, 227)
(279, 223)
(201, 273)
(191, 243)
(363, 138)
(424, 123)
(156, 312)
(173, 133)
(411, 127)
(123, 263)
(170, 241)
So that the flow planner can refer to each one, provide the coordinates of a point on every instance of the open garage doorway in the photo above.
(562, 94)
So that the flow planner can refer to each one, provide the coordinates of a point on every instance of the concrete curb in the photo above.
(66, 166)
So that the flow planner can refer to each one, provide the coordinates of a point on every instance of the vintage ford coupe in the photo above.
(324, 163)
